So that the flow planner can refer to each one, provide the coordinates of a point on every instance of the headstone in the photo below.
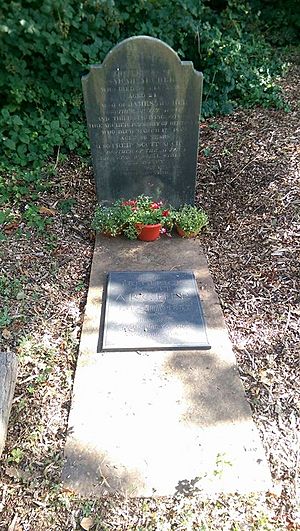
(142, 106)
(153, 310)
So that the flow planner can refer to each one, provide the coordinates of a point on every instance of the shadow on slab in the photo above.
(92, 473)
(195, 395)
(212, 394)
(152, 310)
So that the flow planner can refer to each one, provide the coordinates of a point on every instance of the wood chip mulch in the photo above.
(249, 184)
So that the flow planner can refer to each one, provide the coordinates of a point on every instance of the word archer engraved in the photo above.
(153, 310)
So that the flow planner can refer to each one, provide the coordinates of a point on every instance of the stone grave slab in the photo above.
(159, 423)
(153, 310)
(142, 107)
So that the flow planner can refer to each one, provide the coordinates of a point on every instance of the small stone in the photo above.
(87, 523)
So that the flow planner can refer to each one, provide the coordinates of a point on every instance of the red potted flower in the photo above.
(148, 218)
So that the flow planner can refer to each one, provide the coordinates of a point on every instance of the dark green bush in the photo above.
(280, 21)
(47, 46)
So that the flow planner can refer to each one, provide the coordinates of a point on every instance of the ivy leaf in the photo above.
(10, 143)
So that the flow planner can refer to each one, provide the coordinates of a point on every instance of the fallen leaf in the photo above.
(87, 523)
(266, 376)
(11, 227)
(47, 211)
(6, 333)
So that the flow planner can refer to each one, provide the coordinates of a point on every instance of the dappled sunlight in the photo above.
(145, 422)
(157, 310)
(153, 420)
(133, 422)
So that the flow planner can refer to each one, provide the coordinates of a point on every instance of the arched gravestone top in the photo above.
(142, 106)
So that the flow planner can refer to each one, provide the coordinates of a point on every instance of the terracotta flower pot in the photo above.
(185, 234)
(148, 233)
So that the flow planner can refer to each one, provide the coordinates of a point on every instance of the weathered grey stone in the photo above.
(153, 310)
(8, 376)
(142, 106)
(145, 423)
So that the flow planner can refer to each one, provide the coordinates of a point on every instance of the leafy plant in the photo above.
(190, 219)
(130, 216)
(34, 218)
(5, 318)
(9, 287)
(20, 184)
(5, 216)
(66, 205)
(280, 21)
(80, 286)
(46, 48)
(221, 463)
(146, 211)
(111, 220)
(15, 456)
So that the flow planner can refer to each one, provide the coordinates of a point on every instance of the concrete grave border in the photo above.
(157, 423)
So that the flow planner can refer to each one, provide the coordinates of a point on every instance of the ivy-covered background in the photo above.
(47, 46)
(248, 182)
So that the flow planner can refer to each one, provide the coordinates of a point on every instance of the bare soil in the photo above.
(248, 181)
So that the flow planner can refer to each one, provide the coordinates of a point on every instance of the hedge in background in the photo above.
(280, 20)
(47, 46)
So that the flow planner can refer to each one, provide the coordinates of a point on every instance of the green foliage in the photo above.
(5, 318)
(34, 219)
(80, 286)
(15, 456)
(110, 220)
(221, 463)
(45, 50)
(128, 217)
(66, 205)
(10, 287)
(21, 184)
(47, 46)
(5, 216)
(191, 219)
(240, 68)
(280, 21)
(145, 211)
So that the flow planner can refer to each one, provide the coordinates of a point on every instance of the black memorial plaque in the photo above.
(153, 310)
(142, 106)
